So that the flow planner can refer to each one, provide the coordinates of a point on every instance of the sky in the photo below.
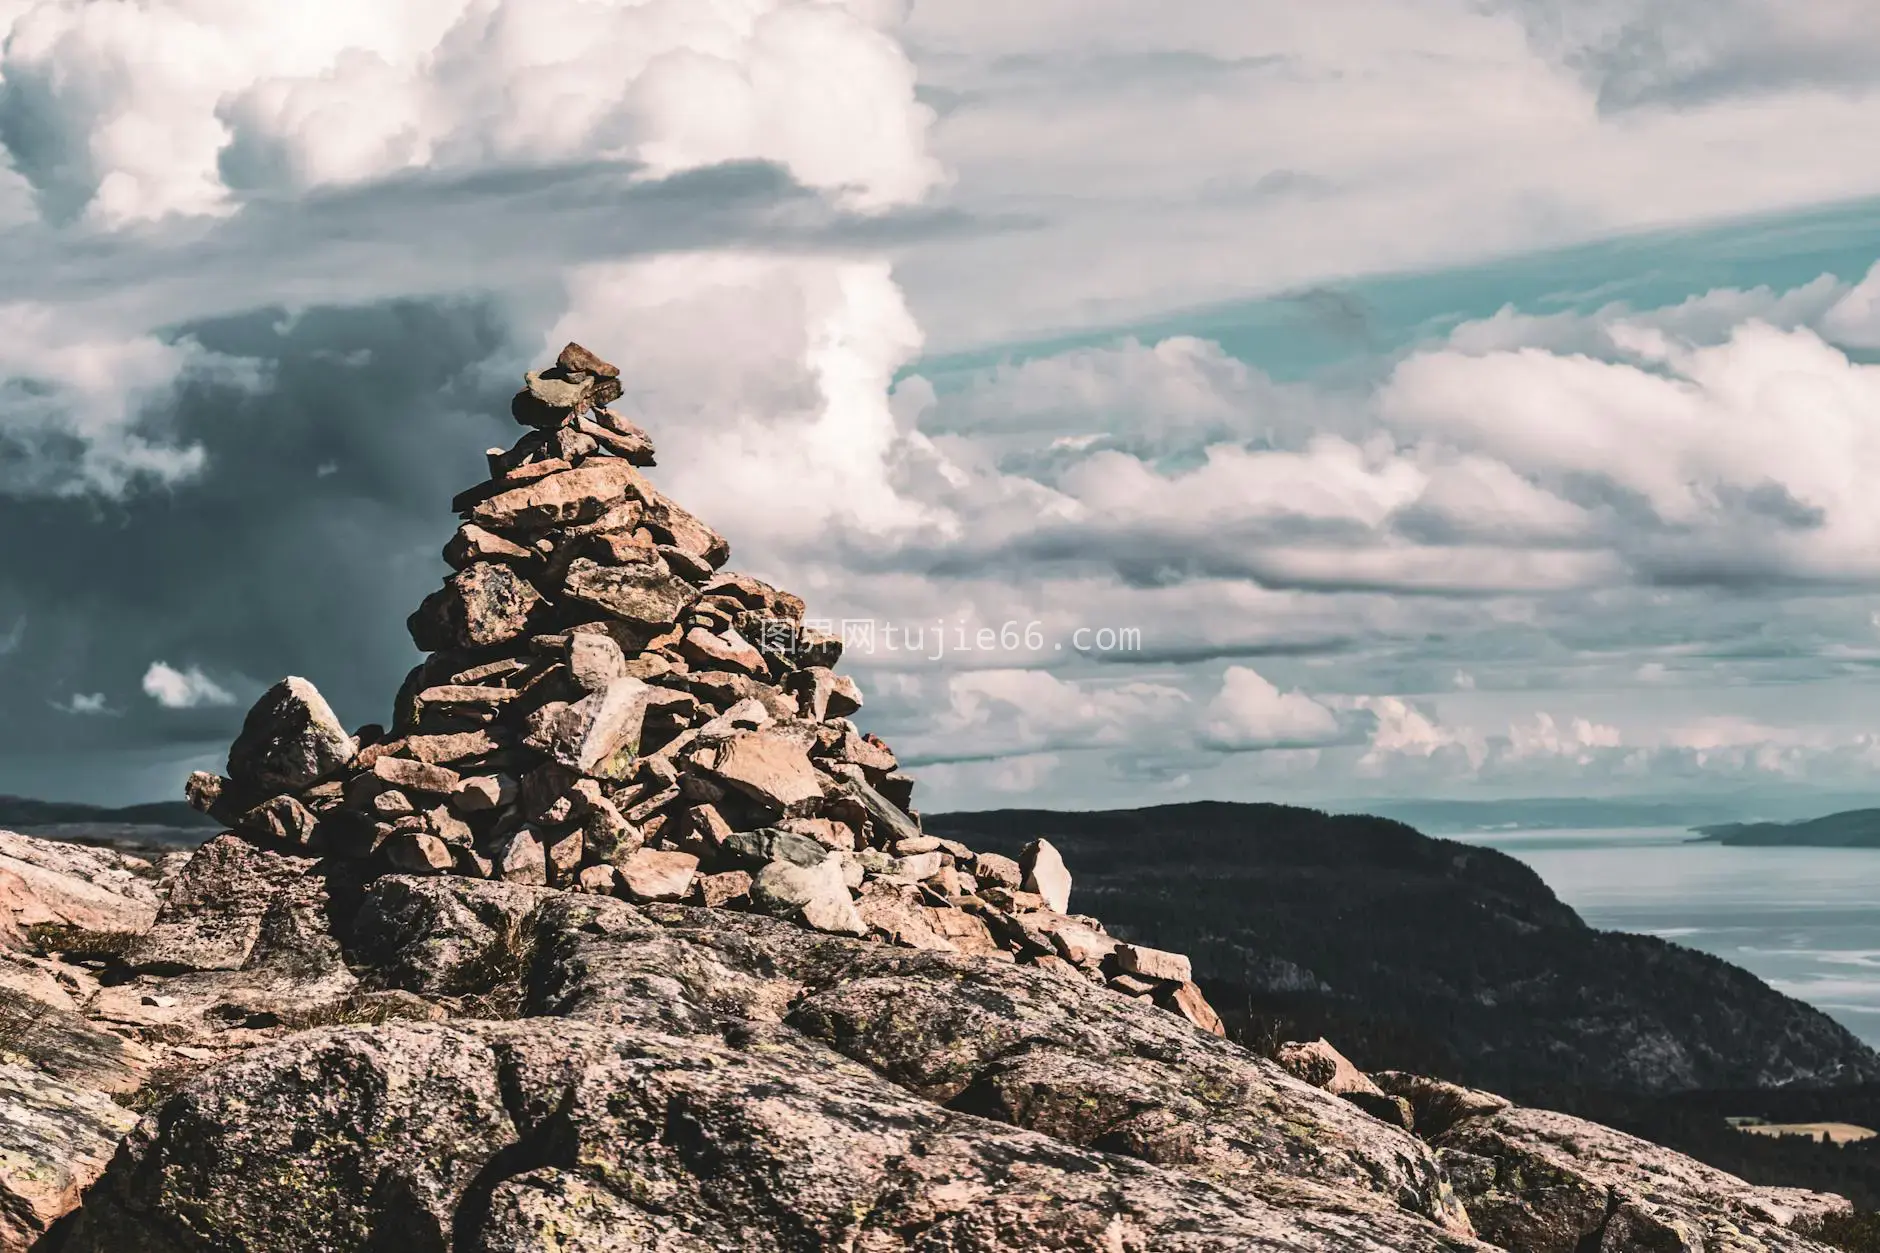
(1201, 399)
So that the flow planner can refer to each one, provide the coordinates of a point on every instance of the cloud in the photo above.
(767, 378)
(1671, 52)
(1404, 731)
(1543, 737)
(999, 779)
(1251, 714)
(1855, 318)
(1297, 164)
(1026, 773)
(1011, 713)
(1620, 330)
(85, 705)
(1743, 461)
(183, 689)
(1130, 391)
(82, 410)
(127, 112)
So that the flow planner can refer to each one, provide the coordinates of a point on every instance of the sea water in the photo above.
(1805, 920)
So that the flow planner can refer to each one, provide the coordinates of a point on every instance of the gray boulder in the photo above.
(816, 895)
(291, 738)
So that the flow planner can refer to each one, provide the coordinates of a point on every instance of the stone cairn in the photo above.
(606, 709)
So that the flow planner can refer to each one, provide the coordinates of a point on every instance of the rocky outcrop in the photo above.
(771, 1087)
(508, 1136)
(1541, 1181)
(46, 884)
(448, 1063)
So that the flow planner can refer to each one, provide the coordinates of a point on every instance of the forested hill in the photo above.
(1423, 954)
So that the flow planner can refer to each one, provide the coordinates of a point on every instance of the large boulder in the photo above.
(598, 734)
(235, 906)
(814, 895)
(1316, 1062)
(445, 936)
(1045, 874)
(291, 738)
(566, 499)
(644, 592)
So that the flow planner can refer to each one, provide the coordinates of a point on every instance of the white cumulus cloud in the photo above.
(183, 689)
(766, 381)
(125, 112)
(1250, 713)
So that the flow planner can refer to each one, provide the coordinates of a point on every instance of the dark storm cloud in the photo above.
(486, 231)
(262, 566)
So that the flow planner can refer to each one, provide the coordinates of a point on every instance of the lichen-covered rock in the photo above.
(643, 593)
(1014, 1044)
(334, 1140)
(1543, 1182)
(531, 1135)
(483, 604)
(234, 906)
(291, 738)
(48, 884)
(54, 1140)
(444, 936)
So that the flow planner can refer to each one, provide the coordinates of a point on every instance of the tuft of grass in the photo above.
(494, 986)
(366, 1010)
(48, 938)
(160, 1085)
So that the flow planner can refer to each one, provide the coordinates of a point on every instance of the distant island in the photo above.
(1593, 813)
(1853, 828)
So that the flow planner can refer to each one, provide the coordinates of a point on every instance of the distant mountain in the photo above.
(20, 811)
(1597, 813)
(1423, 954)
(1855, 828)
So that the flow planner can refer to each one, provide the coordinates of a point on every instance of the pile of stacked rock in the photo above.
(606, 709)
